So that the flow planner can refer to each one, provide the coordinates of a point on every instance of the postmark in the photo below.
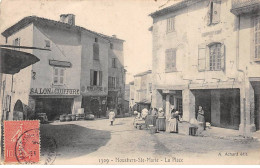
(22, 141)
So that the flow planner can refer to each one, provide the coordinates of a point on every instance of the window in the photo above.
(47, 44)
(111, 46)
(16, 42)
(96, 40)
(96, 51)
(114, 65)
(58, 76)
(95, 78)
(215, 57)
(179, 104)
(170, 24)
(170, 60)
(214, 12)
(257, 39)
(111, 82)
(211, 57)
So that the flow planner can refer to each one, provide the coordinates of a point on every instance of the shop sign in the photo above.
(94, 88)
(169, 91)
(54, 91)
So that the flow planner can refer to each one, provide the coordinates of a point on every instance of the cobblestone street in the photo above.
(85, 142)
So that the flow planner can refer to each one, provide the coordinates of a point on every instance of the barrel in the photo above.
(68, 117)
(73, 117)
(89, 117)
(62, 118)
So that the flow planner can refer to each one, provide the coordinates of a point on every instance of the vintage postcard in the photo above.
(130, 82)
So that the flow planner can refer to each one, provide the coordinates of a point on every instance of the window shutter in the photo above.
(209, 13)
(202, 58)
(91, 77)
(223, 57)
(95, 51)
(207, 55)
(117, 82)
(216, 12)
(100, 78)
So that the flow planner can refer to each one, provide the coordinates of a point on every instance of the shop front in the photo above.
(54, 101)
(95, 105)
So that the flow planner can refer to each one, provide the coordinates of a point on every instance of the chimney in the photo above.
(114, 36)
(68, 18)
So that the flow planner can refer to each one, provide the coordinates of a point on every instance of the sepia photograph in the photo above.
(130, 82)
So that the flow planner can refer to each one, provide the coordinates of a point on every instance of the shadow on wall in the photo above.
(72, 140)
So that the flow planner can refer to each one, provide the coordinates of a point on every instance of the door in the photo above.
(94, 107)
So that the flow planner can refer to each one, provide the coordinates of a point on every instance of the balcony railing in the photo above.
(240, 7)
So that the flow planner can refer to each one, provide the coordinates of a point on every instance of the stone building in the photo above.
(73, 75)
(205, 53)
(143, 90)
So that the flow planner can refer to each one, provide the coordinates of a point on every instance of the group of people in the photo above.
(158, 118)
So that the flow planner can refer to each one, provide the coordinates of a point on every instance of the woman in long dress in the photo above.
(160, 122)
(111, 116)
(173, 122)
(200, 117)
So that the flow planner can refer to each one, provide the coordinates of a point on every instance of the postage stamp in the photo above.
(21, 141)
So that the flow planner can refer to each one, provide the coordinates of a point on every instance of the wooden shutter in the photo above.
(216, 12)
(209, 14)
(117, 82)
(223, 57)
(207, 55)
(202, 57)
(96, 51)
(91, 77)
(100, 78)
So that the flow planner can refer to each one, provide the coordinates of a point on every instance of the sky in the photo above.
(128, 19)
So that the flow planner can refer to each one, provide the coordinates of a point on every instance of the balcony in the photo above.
(242, 7)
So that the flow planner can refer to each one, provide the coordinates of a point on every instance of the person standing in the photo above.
(200, 117)
(111, 116)
(160, 122)
(173, 121)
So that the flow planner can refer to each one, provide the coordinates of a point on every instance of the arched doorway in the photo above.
(94, 106)
(18, 113)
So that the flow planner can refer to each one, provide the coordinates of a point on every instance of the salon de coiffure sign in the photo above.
(54, 91)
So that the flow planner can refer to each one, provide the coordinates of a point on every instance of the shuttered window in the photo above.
(257, 38)
(58, 76)
(170, 60)
(213, 15)
(114, 63)
(111, 82)
(170, 24)
(95, 78)
(211, 57)
(96, 51)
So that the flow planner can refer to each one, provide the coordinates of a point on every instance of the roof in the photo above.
(172, 8)
(12, 61)
(43, 21)
(143, 73)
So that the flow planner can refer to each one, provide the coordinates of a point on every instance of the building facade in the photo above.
(72, 75)
(202, 56)
(143, 90)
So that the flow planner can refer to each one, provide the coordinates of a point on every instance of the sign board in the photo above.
(60, 63)
(169, 91)
(94, 88)
(54, 91)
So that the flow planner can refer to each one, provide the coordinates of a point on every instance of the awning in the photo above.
(12, 61)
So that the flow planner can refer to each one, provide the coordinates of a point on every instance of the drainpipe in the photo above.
(244, 77)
